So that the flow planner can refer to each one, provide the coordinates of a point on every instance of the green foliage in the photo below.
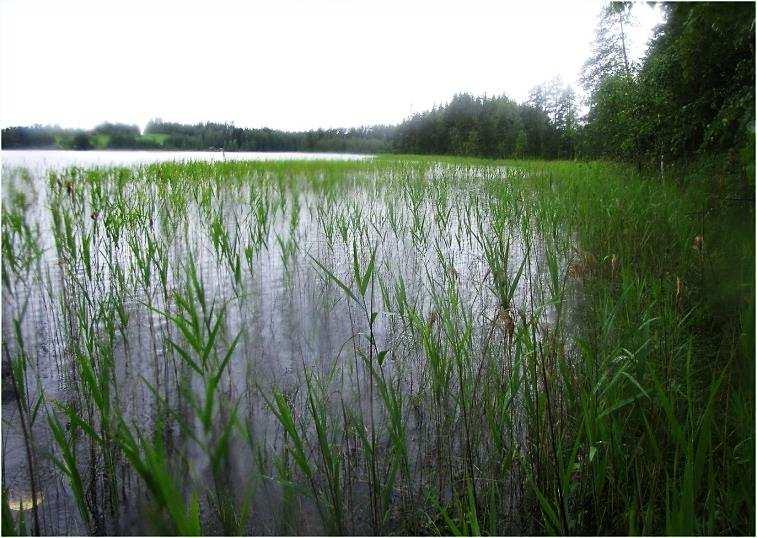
(202, 136)
(693, 94)
(493, 127)
(609, 56)
(600, 381)
(589, 370)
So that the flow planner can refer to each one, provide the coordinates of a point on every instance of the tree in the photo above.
(520, 144)
(81, 141)
(692, 95)
(566, 122)
(609, 55)
(697, 84)
(557, 101)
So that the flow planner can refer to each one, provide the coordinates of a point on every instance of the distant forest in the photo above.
(202, 136)
(692, 95)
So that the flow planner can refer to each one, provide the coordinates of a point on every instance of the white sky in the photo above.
(285, 64)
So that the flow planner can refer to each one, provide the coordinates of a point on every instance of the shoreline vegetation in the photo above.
(510, 321)
(461, 346)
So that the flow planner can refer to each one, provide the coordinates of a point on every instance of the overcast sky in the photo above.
(286, 64)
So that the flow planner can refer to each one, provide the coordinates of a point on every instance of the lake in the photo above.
(35, 158)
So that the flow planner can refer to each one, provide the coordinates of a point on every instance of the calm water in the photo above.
(41, 159)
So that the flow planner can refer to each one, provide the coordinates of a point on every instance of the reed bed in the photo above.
(399, 345)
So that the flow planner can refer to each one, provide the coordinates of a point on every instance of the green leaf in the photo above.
(338, 282)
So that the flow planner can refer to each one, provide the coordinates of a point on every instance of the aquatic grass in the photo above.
(150, 461)
(68, 462)
(27, 412)
(410, 345)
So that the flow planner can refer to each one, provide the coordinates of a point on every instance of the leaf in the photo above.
(549, 512)
(333, 277)
(184, 355)
(36, 408)
(366, 279)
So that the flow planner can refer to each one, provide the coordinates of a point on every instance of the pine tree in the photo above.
(610, 50)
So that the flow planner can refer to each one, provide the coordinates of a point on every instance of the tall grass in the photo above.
(406, 345)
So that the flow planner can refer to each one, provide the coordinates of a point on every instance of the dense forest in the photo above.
(202, 136)
(692, 94)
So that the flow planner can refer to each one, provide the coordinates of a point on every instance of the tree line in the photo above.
(201, 136)
(545, 126)
(692, 94)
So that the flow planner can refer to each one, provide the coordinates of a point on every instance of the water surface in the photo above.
(263, 241)
(41, 159)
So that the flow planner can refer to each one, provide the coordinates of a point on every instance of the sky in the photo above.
(284, 64)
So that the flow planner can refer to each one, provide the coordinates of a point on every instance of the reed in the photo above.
(401, 345)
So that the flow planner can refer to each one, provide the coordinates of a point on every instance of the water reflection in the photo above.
(58, 159)
(262, 247)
